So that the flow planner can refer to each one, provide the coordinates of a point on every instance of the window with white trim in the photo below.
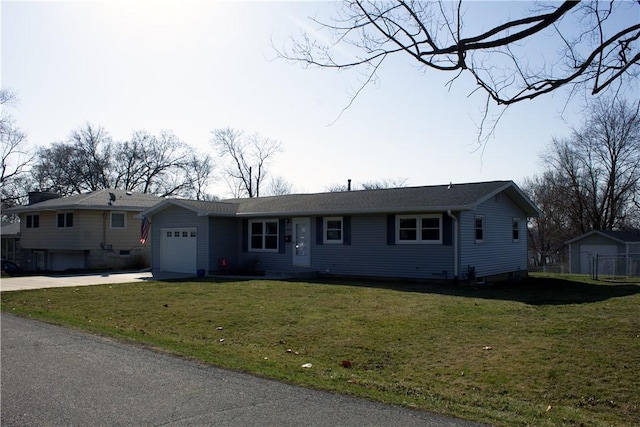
(263, 235)
(333, 230)
(419, 228)
(118, 220)
(515, 230)
(33, 221)
(479, 228)
(65, 219)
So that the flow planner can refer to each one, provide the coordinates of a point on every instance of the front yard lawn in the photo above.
(545, 351)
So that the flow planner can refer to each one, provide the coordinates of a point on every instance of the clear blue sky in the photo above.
(192, 67)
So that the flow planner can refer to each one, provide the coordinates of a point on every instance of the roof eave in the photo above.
(407, 210)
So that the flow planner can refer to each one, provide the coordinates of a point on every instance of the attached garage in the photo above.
(66, 260)
(178, 250)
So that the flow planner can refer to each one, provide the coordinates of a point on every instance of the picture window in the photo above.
(419, 229)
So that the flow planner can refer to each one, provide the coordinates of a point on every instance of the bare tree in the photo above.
(198, 172)
(385, 183)
(279, 186)
(592, 181)
(600, 163)
(80, 164)
(548, 233)
(153, 164)
(368, 185)
(16, 157)
(89, 160)
(248, 158)
(595, 49)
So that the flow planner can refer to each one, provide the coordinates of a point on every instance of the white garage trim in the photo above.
(178, 250)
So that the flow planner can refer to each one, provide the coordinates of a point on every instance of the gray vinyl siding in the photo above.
(498, 253)
(178, 217)
(369, 254)
(223, 242)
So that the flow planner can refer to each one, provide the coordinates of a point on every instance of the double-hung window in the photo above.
(65, 219)
(479, 228)
(263, 235)
(118, 220)
(419, 229)
(33, 221)
(333, 230)
(515, 230)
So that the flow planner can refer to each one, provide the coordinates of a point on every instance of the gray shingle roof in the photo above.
(623, 235)
(124, 201)
(394, 200)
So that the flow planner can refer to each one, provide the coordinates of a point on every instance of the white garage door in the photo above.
(178, 250)
(587, 252)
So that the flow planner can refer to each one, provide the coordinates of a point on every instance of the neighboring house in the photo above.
(616, 253)
(436, 232)
(10, 248)
(85, 231)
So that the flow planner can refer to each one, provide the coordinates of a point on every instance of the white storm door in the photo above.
(301, 242)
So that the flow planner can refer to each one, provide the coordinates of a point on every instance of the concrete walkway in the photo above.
(58, 281)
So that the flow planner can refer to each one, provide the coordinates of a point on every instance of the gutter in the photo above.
(456, 247)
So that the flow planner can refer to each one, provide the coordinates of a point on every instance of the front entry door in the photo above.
(301, 242)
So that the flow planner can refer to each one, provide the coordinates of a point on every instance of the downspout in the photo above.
(456, 247)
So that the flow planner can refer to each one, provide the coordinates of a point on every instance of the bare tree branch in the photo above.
(598, 50)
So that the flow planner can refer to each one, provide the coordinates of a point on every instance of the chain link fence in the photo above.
(597, 266)
(615, 266)
(556, 263)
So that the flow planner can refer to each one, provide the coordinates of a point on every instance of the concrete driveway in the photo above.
(58, 281)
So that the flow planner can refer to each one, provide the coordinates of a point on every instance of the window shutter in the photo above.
(245, 235)
(281, 230)
(391, 229)
(319, 231)
(346, 230)
(447, 230)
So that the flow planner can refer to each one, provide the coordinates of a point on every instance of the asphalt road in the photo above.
(53, 376)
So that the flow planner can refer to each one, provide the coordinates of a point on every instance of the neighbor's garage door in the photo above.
(60, 261)
(178, 250)
(587, 252)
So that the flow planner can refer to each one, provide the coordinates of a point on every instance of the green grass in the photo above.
(546, 351)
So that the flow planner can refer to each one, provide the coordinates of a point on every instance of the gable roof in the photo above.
(620, 236)
(439, 198)
(96, 200)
